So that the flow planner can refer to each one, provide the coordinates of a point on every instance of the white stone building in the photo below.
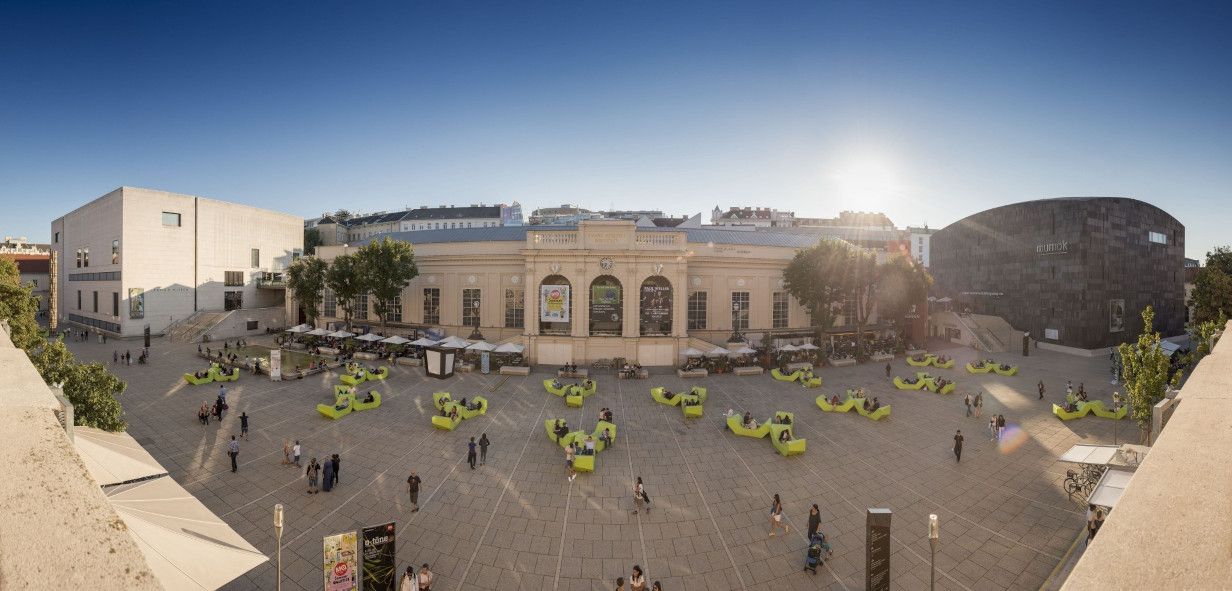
(139, 257)
(920, 241)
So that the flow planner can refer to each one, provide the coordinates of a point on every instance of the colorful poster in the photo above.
(605, 303)
(554, 303)
(1116, 315)
(657, 305)
(136, 302)
(340, 562)
(275, 365)
(379, 552)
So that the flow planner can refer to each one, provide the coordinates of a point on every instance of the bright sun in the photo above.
(867, 179)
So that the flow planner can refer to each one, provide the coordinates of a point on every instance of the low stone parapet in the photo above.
(514, 370)
(749, 371)
(848, 361)
(692, 373)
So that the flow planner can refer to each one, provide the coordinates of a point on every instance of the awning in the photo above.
(300, 328)
(1090, 454)
(1110, 487)
(691, 352)
(809, 347)
(112, 458)
(1169, 347)
(318, 332)
(789, 347)
(510, 348)
(744, 351)
(481, 346)
(342, 334)
(718, 352)
(369, 337)
(423, 342)
(396, 340)
(185, 544)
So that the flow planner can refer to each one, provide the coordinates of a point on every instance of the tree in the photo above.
(19, 306)
(1211, 295)
(815, 277)
(902, 282)
(89, 386)
(1144, 372)
(312, 239)
(387, 267)
(863, 277)
(306, 280)
(343, 215)
(347, 282)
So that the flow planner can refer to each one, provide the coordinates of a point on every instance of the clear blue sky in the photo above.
(929, 111)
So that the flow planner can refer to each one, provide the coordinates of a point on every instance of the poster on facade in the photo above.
(136, 302)
(605, 303)
(275, 365)
(656, 304)
(340, 562)
(379, 552)
(554, 303)
(1116, 315)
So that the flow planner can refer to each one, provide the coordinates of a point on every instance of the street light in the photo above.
(278, 535)
(934, 533)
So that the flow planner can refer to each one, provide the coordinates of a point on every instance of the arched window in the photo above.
(555, 305)
(606, 307)
(656, 307)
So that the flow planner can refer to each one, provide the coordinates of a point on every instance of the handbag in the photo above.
(645, 497)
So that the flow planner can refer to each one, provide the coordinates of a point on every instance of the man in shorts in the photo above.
(412, 486)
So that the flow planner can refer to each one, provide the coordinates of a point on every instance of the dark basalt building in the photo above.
(1074, 271)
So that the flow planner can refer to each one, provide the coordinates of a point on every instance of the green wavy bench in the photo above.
(876, 415)
(219, 375)
(736, 425)
(824, 404)
(482, 409)
(439, 399)
(1013, 370)
(587, 392)
(694, 410)
(982, 369)
(791, 448)
(1100, 410)
(902, 385)
(196, 381)
(446, 423)
(791, 377)
(574, 400)
(699, 392)
(657, 394)
(376, 402)
(585, 463)
(331, 411)
(547, 385)
(946, 365)
(351, 379)
(930, 384)
(1065, 415)
(599, 427)
(814, 382)
(928, 359)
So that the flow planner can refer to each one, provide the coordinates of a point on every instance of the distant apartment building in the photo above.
(33, 264)
(752, 217)
(139, 257)
(335, 230)
(919, 240)
(565, 215)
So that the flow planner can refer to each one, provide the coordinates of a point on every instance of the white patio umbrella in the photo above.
(342, 334)
(945, 300)
(718, 352)
(369, 337)
(423, 342)
(481, 346)
(396, 340)
(452, 343)
(691, 352)
(318, 332)
(186, 545)
(744, 351)
(510, 348)
(789, 347)
(300, 328)
(809, 347)
(112, 458)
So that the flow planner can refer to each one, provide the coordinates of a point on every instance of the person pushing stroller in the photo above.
(816, 548)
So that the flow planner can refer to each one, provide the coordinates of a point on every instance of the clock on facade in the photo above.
(606, 263)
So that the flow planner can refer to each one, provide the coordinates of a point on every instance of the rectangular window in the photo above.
(79, 299)
(85, 257)
(395, 309)
(697, 310)
(251, 325)
(115, 252)
(256, 258)
(470, 307)
(740, 310)
(79, 258)
(1157, 237)
(57, 237)
(432, 305)
(515, 305)
(779, 313)
(360, 309)
(96, 302)
(329, 305)
(115, 303)
(233, 278)
(171, 218)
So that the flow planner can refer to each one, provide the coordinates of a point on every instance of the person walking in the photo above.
(1041, 389)
(313, 473)
(1000, 427)
(408, 580)
(637, 580)
(327, 481)
(244, 426)
(620, 584)
(286, 452)
(336, 461)
(958, 440)
(295, 453)
(639, 496)
(967, 401)
(776, 516)
(233, 450)
(222, 393)
(888, 370)
(412, 488)
(425, 578)
(979, 403)
(814, 522)
(483, 449)
(569, 454)
(470, 453)
(992, 428)
(115, 357)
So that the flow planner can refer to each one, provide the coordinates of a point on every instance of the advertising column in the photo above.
(275, 365)
(379, 553)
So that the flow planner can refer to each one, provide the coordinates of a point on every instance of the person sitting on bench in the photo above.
(606, 438)
(586, 384)
(875, 405)
(785, 436)
(590, 446)
(472, 405)
(343, 403)
(749, 423)
(785, 420)
(668, 394)
(562, 428)
(370, 398)
(556, 385)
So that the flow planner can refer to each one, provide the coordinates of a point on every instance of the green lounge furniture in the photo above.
(574, 400)
(382, 373)
(446, 423)
(943, 365)
(609, 426)
(376, 402)
(699, 392)
(902, 385)
(946, 389)
(813, 382)
(1100, 410)
(1065, 415)
(691, 410)
(550, 426)
(331, 411)
(790, 448)
(985, 368)
(736, 425)
(594, 387)
(352, 379)
(824, 404)
(439, 399)
(482, 409)
(791, 377)
(928, 359)
(657, 394)
(877, 415)
(219, 375)
(196, 381)
(1013, 370)
(547, 385)
(585, 463)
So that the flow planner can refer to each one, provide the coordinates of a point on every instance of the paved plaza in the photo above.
(518, 523)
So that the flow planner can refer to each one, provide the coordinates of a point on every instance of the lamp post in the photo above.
(278, 535)
(934, 533)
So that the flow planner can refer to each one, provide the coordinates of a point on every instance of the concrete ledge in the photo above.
(882, 357)
(413, 362)
(799, 365)
(692, 373)
(842, 362)
(749, 371)
(365, 355)
(514, 370)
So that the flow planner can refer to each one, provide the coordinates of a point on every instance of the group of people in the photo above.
(630, 371)
(974, 403)
(330, 468)
(417, 582)
(218, 410)
(569, 368)
(127, 357)
(637, 581)
(605, 414)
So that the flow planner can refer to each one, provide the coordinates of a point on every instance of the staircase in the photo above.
(191, 329)
(992, 333)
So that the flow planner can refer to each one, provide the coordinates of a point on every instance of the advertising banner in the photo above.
(136, 302)
(276, 365)
(554, 303)
(340, 562)
(657, 305)
(379, 552)
(605, 303)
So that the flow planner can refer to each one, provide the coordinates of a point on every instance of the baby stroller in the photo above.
(813, 556)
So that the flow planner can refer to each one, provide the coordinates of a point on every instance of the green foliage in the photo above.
(816, 277)
(346, 281)
(863, 277)
(343, 215)
(903, 282)
(1220, 258)
(89, 386)
(306, 280)
(312, 239)
(1144, 372)
(19, 306)
(387, 267)
(1212, 294)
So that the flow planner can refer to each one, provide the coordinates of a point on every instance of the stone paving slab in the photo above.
(518, 523)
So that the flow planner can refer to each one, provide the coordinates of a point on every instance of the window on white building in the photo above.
(171, 218)
(740, 310)
(470, 307)
(779, 313)
(697, 310)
